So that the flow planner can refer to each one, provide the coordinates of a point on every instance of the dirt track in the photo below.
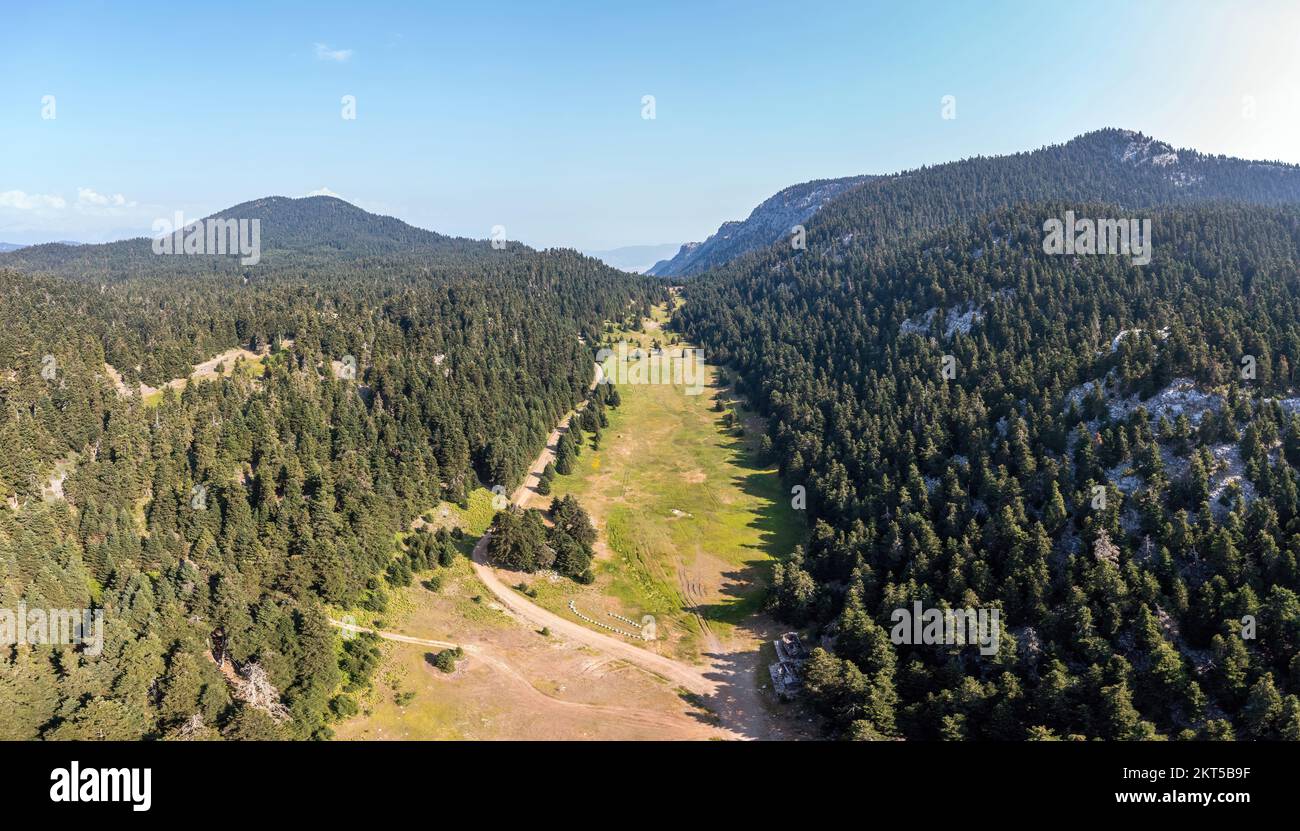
(646, 721)
(726, 687)
(683, 675)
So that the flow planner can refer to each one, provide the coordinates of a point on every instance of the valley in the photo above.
(556, 400)
(394, 512)
(662, 446)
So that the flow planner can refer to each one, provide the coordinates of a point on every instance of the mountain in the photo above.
(8, 246)
(1096, 466)
(315, 222)
(1123, 168)
(770, 221)
(387, 369)
(637, 258)
(293, 233)
(1087, 444)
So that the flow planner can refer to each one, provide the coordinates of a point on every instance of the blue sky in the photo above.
(474, 115)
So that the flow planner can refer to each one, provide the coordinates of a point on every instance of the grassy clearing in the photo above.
(540, 697)
(429, 715)
(474, 518)
(456, 586)
(687, 515)
(405, 699)
(231, 363)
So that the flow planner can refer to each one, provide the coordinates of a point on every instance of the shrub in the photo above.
(447, 555)
(446, 659)
(343, 706)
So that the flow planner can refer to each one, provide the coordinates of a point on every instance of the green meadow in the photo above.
(687, 512)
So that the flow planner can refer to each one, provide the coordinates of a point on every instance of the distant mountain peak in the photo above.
(635, 258)
(278, 202)
(289, 228)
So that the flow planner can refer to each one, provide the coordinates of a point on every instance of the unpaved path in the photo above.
(727, 686)
(683, 675)
(672, 724)
(393, 636)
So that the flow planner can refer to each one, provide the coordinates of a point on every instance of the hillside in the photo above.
(1097, 466)
(1120, 167)
(373, 382)
(770, 221)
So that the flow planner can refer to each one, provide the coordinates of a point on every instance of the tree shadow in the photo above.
(743, 701)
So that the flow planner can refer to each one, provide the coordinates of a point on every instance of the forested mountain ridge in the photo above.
(294, 233)
(1118, 167)
(1122, 616)
(767, 223)
(247, 502)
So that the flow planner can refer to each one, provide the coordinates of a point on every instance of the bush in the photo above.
(446, 659)
(447, 555)
(375, 601)
(399, 573)
(343, 706)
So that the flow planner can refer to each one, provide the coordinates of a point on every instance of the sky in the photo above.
(533, 116)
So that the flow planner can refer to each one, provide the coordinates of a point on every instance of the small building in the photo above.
(789, 647)
(787, 671)
(784, 680)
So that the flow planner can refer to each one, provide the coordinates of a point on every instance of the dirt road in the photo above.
(393, 636)
(683, 675)
(644, 721)
(726, 686)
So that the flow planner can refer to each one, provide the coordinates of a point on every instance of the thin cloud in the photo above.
(324, 192)
(21, 201)
(86, 196)
(324, 53)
